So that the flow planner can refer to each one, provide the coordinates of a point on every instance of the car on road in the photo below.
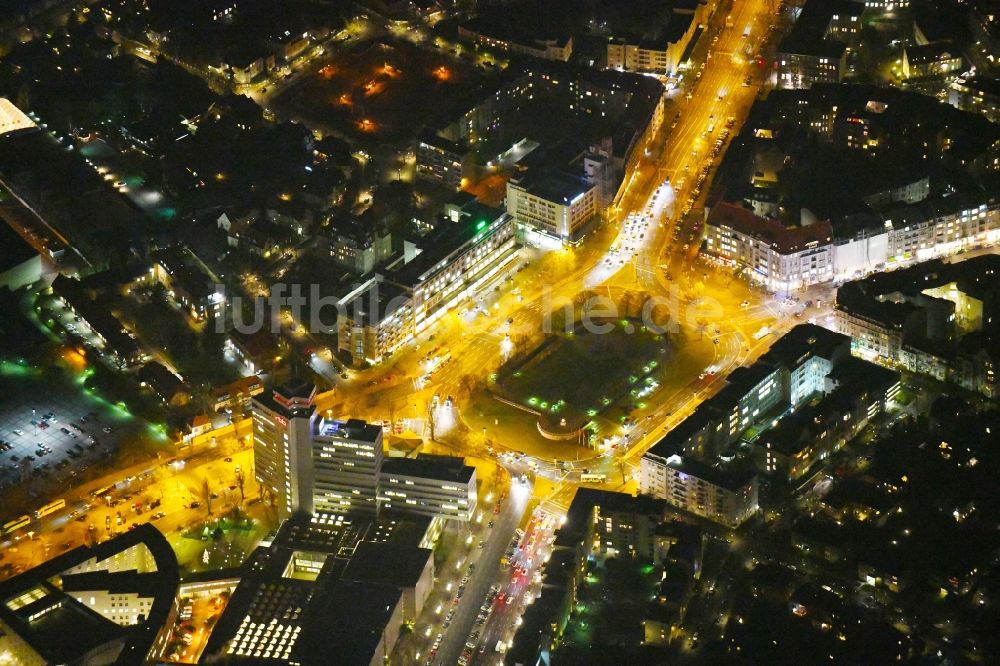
(157, 515)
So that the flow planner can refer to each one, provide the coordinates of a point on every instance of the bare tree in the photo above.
(204, 491)
(240, 480)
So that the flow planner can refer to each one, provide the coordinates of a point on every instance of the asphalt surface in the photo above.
(488, 571)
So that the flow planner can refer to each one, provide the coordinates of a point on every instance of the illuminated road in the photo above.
(651, 256)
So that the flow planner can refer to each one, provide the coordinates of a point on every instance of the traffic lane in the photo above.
(487, 568)
(517, 593)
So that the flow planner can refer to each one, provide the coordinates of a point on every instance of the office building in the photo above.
(311, 464)
(359, 244)
(432, 486)
(283, 423)
(346, 462)
(322, 593)
(92, 605)
(331, 468)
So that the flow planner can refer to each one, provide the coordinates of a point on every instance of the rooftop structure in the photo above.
(316, 590)
(104, 604)
(13, 119)
(433, 486)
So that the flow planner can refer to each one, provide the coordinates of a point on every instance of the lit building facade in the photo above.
(432, 486)
(932, 318)
(282, 446)
(461, 259)
(439, 159)
(781, 258)
(787, 258)
(191, 288)
(92, 605)
(347, 458)
(553, 205)
(721, 497)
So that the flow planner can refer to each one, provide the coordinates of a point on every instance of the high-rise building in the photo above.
(347, 459)
(311, 464)
(282, 450)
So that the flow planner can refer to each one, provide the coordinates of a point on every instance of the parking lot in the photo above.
(52, 430)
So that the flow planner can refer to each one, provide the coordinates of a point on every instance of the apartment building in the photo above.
(724, 497)
(816, 49)
(359, 244)
(781, 258)
(800, 365)
(555, 205)
(786, 258)
(461, 258)
(932, 318)
(188, 284)
(853, 393)
(547, 48)
(439, 159)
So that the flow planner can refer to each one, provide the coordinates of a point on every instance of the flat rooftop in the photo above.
(554, 185)
(387, 563)
(14, 250)
(351, 429)
(730, 480)
(441, 468)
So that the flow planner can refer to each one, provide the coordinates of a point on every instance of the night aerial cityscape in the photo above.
(499, 332)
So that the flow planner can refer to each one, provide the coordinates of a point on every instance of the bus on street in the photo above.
(50, 508)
